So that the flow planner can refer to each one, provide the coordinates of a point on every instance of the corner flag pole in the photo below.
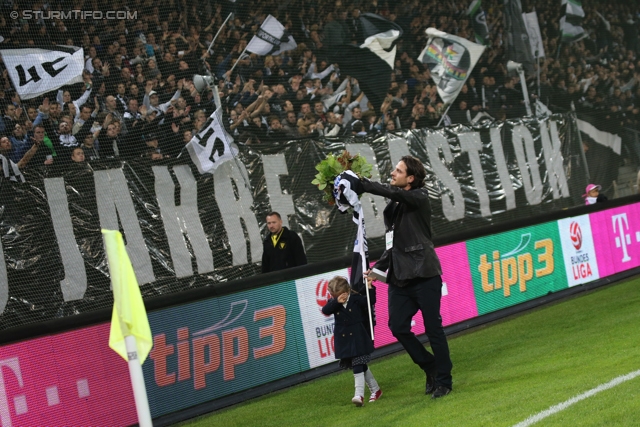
(137, 383)
(130, 334)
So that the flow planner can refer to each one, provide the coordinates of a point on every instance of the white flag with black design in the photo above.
(535, 36)
(36, 71)
(271, 38)
(450, 60)
(212, 146)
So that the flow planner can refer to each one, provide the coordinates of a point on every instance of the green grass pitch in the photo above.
(503, 373)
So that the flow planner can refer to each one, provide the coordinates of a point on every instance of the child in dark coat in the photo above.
(353, 344)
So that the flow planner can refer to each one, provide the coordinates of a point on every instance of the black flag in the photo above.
(372, 61)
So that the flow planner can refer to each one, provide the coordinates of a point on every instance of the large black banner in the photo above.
(185, 230)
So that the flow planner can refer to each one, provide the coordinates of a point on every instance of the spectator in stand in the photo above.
(319, 111)
(605, 64)
(151, 148)
(8, 168)
(151, 99)
(276, 132)
(77, 155)
(89, 148)
(20, 143)
(357, 128)
(46, 153)
(132, 115)
(9, 118)
(592, 195)
(333, 127)
(112, 107)
(459, 113)
(64, 97)
(62, 138)
(291, 125)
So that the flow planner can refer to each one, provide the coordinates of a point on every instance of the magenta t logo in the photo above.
(623, 239)
(20, 401)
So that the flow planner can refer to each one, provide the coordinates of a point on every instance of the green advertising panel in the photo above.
(219, 346)
(516, 266)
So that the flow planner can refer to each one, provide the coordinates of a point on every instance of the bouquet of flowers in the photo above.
(333, 166)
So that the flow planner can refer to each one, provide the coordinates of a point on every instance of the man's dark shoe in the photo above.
(430, 387)
(440, 391)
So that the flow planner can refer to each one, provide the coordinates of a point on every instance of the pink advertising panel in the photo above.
(616, 235)
(72, 378)
(458, 300)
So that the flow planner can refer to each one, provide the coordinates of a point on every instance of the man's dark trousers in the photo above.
(404, 303)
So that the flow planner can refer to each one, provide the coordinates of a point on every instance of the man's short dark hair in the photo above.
(415, 168)
(274, 213)
(358, 126)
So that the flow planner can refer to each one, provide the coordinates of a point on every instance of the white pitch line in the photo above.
(564, 405)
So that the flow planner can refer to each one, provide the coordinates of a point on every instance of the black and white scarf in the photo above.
(11, 170)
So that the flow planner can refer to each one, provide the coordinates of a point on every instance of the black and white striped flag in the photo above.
(347, 189)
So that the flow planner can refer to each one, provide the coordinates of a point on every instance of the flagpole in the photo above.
(130, 333)
(137, 383)
(236, 63)
(366, 286)
(444, 114)
(538, 74)
(218, 33)
(484, 100)
(365, 267)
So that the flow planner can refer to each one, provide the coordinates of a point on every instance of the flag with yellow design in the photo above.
(129, 315)
(450, 60)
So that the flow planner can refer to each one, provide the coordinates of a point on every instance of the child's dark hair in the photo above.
(339, 285)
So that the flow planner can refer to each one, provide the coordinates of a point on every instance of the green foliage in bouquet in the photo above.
(332, 166)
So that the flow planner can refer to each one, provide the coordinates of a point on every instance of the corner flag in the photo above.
(129, 315)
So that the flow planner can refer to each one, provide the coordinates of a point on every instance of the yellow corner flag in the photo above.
(129, 315)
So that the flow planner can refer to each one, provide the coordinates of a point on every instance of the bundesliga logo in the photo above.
(322, 293)
(576, 235)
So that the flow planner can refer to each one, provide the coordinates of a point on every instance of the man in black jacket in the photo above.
(413, 271)
(282, 248)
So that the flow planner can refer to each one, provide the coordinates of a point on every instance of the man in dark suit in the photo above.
(282, 248)
(413, 271)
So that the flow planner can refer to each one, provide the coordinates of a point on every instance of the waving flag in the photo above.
(571, 21)
(36, 71)
(271, 38)
(535, 36)
(479, 22)
(450, 59)
(212, 146)
(518, 45)
(372, 61)
(346, 191)
(129, 315)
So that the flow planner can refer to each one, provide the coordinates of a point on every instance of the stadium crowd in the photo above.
(138, 97)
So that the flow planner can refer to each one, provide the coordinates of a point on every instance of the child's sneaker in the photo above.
(357, 400)
(375, 396)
